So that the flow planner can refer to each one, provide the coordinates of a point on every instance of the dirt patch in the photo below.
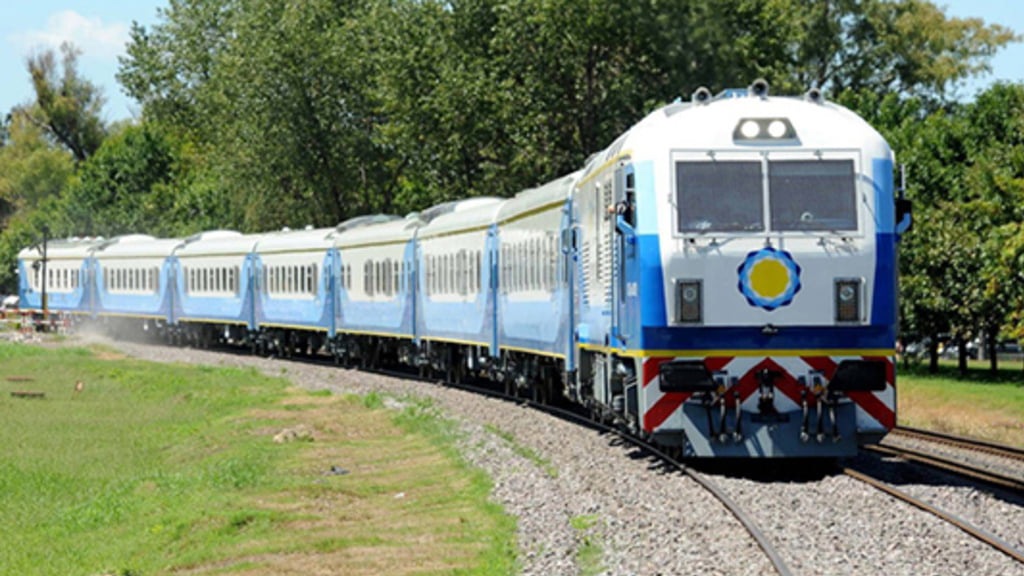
(369, 499)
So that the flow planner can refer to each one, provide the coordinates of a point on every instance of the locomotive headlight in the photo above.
(764, 131)
(776, 129)
(750, 129)
(689, 306)
(847, 296)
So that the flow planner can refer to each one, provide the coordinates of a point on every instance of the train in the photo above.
(721, 279)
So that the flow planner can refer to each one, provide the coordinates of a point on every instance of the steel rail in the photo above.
(974, 531)
(744, 519)
(1013, 484)
(965, 443)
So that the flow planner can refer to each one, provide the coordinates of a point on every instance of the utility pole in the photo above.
(46, 311)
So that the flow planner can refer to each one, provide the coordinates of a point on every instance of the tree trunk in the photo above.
(991, 338)
(961, 349)
(933, 355)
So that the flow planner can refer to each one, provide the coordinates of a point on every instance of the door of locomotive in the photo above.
(625, 289)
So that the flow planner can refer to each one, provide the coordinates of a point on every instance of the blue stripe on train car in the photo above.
(872, 337)
(884, 295)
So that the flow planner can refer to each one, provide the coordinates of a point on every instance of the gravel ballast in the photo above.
(567, 485)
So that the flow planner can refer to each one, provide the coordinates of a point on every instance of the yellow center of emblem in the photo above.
(769, 278)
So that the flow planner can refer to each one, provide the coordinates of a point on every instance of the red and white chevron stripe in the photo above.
(876, 411)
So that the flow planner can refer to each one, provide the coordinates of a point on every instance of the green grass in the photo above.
(549, 469)
(588, 556)
(981, 404)
(156, 468)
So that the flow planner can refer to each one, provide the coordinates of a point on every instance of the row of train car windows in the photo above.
(383, 277)
(457, 273)
(293, 279)
(221, 279)
(530, 265)
(57, 279)
(130, 279)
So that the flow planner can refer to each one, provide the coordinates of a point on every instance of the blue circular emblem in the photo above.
(769, 278)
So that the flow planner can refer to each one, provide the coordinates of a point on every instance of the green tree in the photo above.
(31, 169)
(67, 106)
(128, 186)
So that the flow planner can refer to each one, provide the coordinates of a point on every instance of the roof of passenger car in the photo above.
(218, 243)
(549, 195)
(313, 239)
(62, 249)
(463, 216)
(393, 231)
(136, 246)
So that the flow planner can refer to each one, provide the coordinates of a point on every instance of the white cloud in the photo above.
(90, 35)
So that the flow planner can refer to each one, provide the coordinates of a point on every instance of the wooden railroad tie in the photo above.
(27, 394)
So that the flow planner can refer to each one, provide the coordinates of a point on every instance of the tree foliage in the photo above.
(330, 109)
(259, 114)
(67, 106)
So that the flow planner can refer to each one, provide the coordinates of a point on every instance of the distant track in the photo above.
(973, 444)
(974, 531)
(1015, 485)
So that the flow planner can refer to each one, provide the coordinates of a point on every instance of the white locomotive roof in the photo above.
(207, 244)
(62, 249)
(463, 215)
(296, 240)
(552, 193)
(137, 246)
(400, 230)
(711, 126)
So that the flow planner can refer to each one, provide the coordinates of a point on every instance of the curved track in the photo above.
(748, 523)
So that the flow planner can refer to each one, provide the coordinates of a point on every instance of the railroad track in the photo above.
(972, 444)
(974, 531)
(1012, 483)
(1015, 485)
(748, 523)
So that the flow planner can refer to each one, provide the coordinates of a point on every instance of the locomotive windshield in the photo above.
(802, 195)
(720, 196)
(812, 195)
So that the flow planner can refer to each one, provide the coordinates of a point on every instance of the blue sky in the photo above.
(100, 28)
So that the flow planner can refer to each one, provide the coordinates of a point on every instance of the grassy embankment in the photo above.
(981, 405)
(157, 469)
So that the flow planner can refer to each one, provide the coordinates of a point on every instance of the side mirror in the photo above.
(904, 215)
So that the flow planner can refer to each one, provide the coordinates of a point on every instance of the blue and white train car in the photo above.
(214, 279)
(738, 277)
(66, 278)
(455, 308)
(132, 276)
(534, 297)
(376, 295)
(294, 289)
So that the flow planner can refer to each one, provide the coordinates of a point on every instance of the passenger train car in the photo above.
(722, 279)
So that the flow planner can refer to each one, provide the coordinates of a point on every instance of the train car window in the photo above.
(719, 197)
(814, 195)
